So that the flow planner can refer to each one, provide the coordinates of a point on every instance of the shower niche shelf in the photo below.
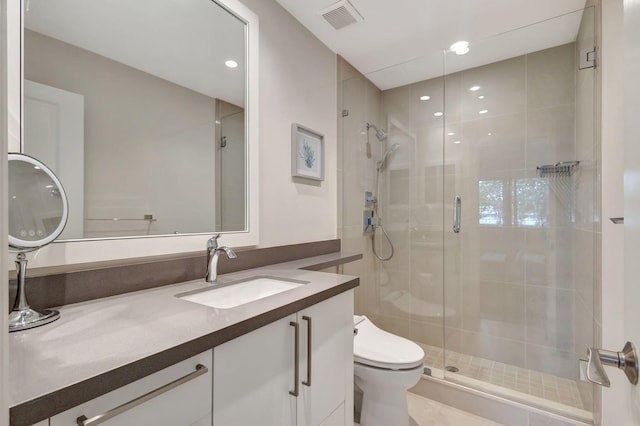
(563, 168)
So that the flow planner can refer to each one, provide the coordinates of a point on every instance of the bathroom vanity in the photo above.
(152, 358)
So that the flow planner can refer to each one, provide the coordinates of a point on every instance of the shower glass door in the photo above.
(230, 205)
(506, 305)
(520, 152)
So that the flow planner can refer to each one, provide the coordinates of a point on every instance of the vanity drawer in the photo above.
(178, 395)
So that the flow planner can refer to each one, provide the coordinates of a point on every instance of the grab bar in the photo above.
(145, 218)
(101, 418)
(457, 214)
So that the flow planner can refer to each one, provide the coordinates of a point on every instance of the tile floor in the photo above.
(552, 388)
(425, 412)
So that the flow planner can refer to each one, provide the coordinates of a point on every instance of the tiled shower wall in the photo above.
(361, 103)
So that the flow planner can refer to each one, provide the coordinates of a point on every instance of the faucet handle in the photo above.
(212, 244)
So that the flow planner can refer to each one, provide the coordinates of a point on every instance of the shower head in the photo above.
(380, 134)
(392, 148)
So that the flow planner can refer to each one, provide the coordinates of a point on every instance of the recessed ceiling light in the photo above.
(489, 134)
(456, 142)
(483, 111)
(450, 134)
(231, 63)
(460, 47)
(474, 88)
(425, 98)
(438, 114)
(481, 97)
(36, 167)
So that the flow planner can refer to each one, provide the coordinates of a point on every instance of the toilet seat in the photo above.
(376, 348)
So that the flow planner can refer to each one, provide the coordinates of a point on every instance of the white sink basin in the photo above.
(240, 292)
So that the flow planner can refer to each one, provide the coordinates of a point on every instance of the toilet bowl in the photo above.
(385, 366)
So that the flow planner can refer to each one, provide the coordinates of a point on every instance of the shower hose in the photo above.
(373, 242)
(379, 224)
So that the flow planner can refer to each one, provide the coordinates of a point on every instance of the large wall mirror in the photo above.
(142, 109)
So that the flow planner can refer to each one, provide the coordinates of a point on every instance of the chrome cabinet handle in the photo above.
(308, 381)
(296, 360)
(457, 214)
(101, 418)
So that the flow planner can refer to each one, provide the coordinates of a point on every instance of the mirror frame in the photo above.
(80, 251)
(15, 243)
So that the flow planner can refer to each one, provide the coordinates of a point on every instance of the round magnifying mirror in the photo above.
(38, 212)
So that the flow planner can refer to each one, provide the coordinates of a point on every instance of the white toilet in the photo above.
(385, 366)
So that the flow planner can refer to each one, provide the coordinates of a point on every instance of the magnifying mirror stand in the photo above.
(22, 316)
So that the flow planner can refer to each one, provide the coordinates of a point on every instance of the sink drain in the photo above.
(452, 369)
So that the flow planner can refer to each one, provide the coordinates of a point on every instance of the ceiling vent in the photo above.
(341, 14)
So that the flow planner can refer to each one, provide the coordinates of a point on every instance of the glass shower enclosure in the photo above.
(491, 204)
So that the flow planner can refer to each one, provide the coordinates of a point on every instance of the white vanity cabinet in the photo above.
(176, 395)
(254, 381)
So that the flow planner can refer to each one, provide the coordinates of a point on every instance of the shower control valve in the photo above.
(369, 199)
(369, 220)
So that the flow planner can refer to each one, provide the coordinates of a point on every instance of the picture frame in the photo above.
(307, 153)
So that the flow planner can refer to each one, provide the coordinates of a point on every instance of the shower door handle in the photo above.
(457, 214)
(626, 360)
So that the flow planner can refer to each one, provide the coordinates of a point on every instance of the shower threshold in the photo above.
(540, 390)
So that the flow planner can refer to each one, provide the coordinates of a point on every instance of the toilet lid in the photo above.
(377, 348)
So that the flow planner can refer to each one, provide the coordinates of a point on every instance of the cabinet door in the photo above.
(329, 325)
(253, 376)
(189, 403)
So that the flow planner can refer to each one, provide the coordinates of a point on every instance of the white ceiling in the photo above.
(174, 40)
(400, 41)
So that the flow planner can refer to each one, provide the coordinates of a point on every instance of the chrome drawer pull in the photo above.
(101, 418)
(296, 373)
(308, 320)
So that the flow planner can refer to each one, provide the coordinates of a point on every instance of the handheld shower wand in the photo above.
(393, 148)
(378, 223)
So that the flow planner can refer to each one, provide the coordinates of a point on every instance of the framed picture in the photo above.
(307, 153)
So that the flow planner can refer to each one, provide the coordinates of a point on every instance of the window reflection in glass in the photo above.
(491, 196)
(514, 202)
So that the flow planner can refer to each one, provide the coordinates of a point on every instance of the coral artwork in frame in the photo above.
(307, 153)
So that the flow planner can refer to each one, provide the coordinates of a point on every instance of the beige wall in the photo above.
(297, 85)
(149, 144)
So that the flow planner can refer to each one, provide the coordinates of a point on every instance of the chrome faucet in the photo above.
(213, 253)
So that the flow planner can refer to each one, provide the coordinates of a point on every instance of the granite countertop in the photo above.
(100, 345)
